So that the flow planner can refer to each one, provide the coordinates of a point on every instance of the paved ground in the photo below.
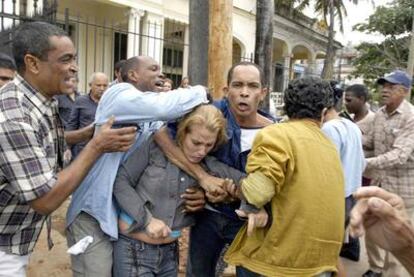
(56, 263)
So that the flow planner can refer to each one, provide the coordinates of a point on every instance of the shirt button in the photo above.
(182, 179)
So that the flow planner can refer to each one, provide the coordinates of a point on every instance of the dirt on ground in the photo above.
(56, 262)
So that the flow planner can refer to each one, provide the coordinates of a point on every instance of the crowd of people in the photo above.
(142, 160)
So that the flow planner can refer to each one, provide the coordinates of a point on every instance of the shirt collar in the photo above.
(42, 103)
(402, 108)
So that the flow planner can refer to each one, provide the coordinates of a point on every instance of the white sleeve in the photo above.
(128, 104)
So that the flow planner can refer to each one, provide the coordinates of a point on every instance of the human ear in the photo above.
(132, 75)
(323, 115)
(264, 93)
(31, 63)
(225, 91)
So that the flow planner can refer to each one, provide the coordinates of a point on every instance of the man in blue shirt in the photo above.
(347, 138)
(218, 224)
(92, 210)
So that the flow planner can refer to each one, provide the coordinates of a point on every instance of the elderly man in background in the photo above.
(7, 69)
(392, 141)
(84, 108)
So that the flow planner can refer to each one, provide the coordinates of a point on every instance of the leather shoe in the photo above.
(371, 273)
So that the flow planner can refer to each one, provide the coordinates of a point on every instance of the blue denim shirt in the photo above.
(128, 105)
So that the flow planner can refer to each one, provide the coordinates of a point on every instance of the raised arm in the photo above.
(212, 185)
(400, 151)
(128, 104)
(266, 169)
(43, 188)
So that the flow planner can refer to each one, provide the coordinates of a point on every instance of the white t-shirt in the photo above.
(247, 138)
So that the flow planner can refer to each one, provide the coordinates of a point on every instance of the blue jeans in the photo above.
(207, 239)
(136, 258)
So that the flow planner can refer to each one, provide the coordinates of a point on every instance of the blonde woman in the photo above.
(148, 188)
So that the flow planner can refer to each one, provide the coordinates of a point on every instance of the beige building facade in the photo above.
(105, 31)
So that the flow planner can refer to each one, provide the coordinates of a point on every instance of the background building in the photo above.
(105, 31)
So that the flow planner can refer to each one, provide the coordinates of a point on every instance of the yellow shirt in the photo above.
(297, 169)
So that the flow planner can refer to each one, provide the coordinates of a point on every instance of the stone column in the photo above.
(311, 70)
(198, 37)
(134, 21)
(153, 36)
(286, 71)
(186, 51)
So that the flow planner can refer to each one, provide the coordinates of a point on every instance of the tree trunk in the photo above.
(410, 66)
(328, 65)
(198, 37)
(264, 43)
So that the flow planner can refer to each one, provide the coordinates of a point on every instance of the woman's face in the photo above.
(198, 142)
(167, 86)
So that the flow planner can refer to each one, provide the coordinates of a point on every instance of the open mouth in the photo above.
(159, 85)
(243, 106)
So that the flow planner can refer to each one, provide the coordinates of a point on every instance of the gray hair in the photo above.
(33, 38)
(93, 76)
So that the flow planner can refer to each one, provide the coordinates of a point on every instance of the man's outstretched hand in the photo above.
(114, 140)
(383, 217)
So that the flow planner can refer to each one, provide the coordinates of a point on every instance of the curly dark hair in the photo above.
(307, 97)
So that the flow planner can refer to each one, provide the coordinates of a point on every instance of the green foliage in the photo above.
(376, 59)
(390, 21)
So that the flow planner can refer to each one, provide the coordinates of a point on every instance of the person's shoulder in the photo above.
(369, 117)
(221, 104)
(10, 91)
(276, 128)
(350, 123)
(82, 98)
(332, 124)
(14, 106)
(408, 108)
(267, 118)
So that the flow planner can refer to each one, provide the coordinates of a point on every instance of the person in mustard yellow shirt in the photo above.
(295, 168)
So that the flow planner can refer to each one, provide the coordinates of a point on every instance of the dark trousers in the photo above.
(244, 272)
(207, 239)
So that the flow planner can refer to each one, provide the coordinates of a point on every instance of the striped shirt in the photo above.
(392, 140)
(31, 145)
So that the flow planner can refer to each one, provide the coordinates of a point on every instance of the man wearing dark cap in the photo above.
(392, 141)
(7, 69)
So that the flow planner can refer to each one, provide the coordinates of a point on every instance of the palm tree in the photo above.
(264, 42)
(332, 8)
